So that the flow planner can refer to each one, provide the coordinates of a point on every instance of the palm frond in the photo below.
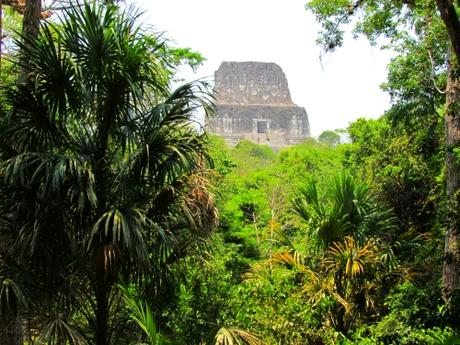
(199, 204)
(51, 176)
(351, 257)
(307, 206)
(236, 336)
(59, 331)
(142, 314)
(123, 226)
(11, 294)
(171, 144)
(290, 261)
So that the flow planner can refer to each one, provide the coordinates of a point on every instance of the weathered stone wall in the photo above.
(251, 83)
(254, 102)
(283, 125)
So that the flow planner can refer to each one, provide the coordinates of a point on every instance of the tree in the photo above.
(399, 21)
(100, 162)
(349, 210)
(403, 164)
(354, 233)
(10, 325)
(330, 138)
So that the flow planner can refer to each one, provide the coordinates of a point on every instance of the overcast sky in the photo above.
(335, 90)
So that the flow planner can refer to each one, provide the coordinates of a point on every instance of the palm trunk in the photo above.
(31, 20)
(339, 279)
(102, 298)
(103, 266)
(451, 268)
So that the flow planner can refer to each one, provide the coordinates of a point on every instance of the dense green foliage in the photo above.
(307, 254)
(426, 36)
(122, 224)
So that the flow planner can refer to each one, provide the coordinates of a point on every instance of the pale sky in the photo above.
(335, 91)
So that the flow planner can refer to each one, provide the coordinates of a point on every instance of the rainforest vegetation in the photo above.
(122, 223)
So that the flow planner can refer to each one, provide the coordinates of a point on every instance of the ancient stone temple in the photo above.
(254, 102)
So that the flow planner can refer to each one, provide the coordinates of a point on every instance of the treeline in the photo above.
(120, 223)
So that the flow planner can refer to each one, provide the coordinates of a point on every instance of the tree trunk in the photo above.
(11, 332)
(451, 21)
(31, 20)
(30, 27)
(451, 268)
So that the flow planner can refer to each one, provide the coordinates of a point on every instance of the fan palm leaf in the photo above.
(235, 336)
(326, 222)
(349, 210)
(59, 331)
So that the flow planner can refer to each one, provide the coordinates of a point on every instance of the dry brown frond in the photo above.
(236, 336)
(199, 202)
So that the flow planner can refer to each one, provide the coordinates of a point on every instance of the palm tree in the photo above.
(355, 235)
(345, 282)
(98, 161)
(348, 210)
